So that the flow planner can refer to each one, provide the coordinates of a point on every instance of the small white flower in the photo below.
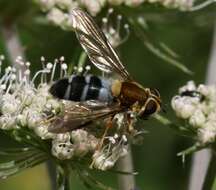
(80, 70)
(64, 4)
(49, 66)
(93, 7)
(79, 135)
(3, 87)
(27, 72)
(43, 133)
(120, 118)
(53, 104)
(101, 162)
(112, 140)
(212, 93)
(56, 16)
(7, 122)
(33, 117)
(26, 95)
(64, 66)
(207, 134)
(9, 104)
(184, 4)
(184, 106)
(133, 3)
(92, 142)
(198, 119)
(63, 137)
(190, 86)
(115, 2)
(124, 138)
(62, 151)
(212, 116)
(46, 4)
(81, 149)
(21, 120)
(2, 57)
(27, 64)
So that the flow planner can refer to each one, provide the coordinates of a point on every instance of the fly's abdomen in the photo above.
(82, 88)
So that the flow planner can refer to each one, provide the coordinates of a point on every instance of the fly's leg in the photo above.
(100, 144)
(46, 121)
(130, 123)
(109, 125)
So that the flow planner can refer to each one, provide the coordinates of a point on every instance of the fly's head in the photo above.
(151, 105)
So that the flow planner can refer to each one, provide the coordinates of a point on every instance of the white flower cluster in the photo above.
(106, 157)
(115, 147)
(197, 105)
(76, 143)
(117, 33)
(93, 7)
(23, 105)
(60, 8)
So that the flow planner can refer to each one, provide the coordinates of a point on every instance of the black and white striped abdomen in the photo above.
(82, 88)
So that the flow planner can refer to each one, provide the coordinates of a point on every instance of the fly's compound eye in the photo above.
(155, 92)
(150, 108)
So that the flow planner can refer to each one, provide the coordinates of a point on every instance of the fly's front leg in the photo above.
(130, 123)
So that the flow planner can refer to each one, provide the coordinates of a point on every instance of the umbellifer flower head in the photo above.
(197, 105)
(25, 106)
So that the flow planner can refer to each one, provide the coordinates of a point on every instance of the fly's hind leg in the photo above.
(109, 124)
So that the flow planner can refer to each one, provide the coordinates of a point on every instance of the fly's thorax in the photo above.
(143, 101)
(129, 93)
(116, 88)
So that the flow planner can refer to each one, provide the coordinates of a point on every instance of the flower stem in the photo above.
(52, 174)
(125, 164)
(82, 59)
(12, 43)
(202, 158)
(211, 173)
(64, 177)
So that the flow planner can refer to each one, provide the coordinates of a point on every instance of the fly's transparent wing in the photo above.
(80, 115)
(96, 45)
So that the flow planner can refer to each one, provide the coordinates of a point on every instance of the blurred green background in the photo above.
(189, 34)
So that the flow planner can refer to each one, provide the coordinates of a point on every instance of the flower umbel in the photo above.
(28, 109)
(197, 105)
(94, 7)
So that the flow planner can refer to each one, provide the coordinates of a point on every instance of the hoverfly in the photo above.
(98, 97)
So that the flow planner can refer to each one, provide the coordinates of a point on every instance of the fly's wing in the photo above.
(79, 115)
(96, 45)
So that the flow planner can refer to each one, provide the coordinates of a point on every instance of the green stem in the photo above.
(191, 149)
(82, 59)
(51, 168)
(211, 173)
(183, 130)
(64, 179)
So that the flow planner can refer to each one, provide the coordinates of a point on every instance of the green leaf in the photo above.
(87, 179)
(19, 159)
